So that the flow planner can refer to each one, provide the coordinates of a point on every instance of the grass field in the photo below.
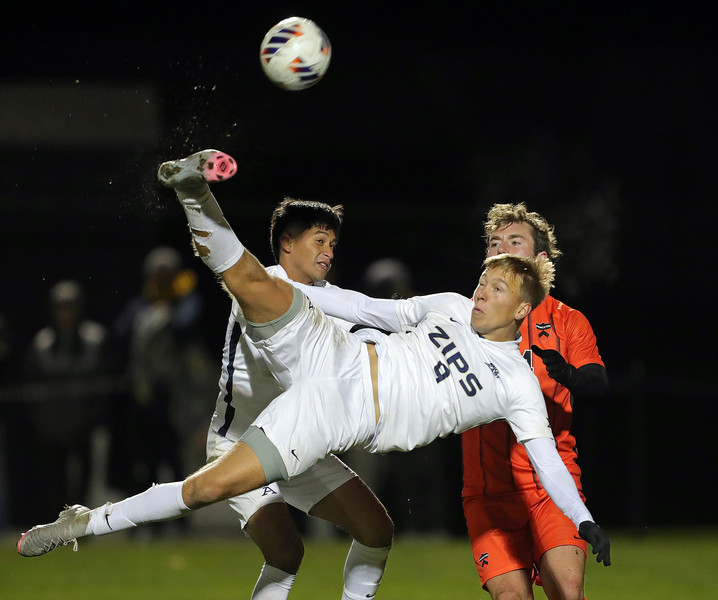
(661, 565)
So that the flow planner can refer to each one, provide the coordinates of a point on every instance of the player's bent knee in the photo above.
(207, 487)
(288, 557)
(381, 534)
(375, 530)
(201, 492)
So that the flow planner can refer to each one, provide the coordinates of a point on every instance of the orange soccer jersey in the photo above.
(494, 463)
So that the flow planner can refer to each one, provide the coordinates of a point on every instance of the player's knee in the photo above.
(384, 530)
(286, 556)
(199, 491)
(565, 583)
(514, 585)
(509, 595)
(570, 588)
(377, 531)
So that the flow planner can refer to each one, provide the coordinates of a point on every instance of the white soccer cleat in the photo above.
(71, 524)
(205, 166)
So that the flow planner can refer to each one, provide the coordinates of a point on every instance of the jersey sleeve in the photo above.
(389, 315)
(556, 480)
(581, 341)
(412, 311)
(527, 416)
(354, 307)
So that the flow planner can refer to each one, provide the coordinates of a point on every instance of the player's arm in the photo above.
(354, 307)
(559, 485)
(590, 382)
(587, 381)
(580, 367)
(383, 314)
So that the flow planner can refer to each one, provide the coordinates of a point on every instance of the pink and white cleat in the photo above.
(205, 166)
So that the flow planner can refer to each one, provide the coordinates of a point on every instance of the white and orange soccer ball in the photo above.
(295, 53)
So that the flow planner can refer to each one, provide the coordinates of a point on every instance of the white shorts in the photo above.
(329, 403)
(301, 492)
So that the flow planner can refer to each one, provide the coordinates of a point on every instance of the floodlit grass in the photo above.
(665, 565)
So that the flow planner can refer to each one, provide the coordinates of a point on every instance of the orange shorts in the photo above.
(512, 532)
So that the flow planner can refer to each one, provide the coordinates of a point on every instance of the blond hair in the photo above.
(501, 215)
(535, 275)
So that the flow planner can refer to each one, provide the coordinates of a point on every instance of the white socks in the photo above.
(363, 571)
(159, 503)
(214, 239)
(273, 584)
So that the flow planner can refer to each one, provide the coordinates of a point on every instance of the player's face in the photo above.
(515, 239)
(307, 258)
(498, 308)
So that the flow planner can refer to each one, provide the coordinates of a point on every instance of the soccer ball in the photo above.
(295, 53)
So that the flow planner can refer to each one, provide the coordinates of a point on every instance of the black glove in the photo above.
(556, 366)
(598, 538)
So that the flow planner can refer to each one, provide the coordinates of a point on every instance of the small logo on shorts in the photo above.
(484, 559)
(294, 454)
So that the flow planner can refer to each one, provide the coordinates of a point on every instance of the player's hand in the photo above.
(598, 538)
(556, 366)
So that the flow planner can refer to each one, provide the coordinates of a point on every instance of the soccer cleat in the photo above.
(205, 166)
(71, 524)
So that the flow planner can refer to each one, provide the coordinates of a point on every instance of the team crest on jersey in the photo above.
(543, 329)
(493, 369)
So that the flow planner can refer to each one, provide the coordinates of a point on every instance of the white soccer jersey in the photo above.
(246, 384)
(437, 376)
(440, 377)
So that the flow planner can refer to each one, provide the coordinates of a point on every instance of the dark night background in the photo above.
(599, 116)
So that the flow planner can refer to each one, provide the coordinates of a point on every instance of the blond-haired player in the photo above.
(517, 533)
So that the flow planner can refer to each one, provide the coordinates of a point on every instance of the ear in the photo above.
(286, 242)
(542, 254)
(522, 311)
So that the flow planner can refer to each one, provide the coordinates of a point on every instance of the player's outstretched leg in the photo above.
(71, 524)
(214, 240)
(205, 166)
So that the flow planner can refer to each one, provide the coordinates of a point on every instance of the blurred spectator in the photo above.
(388, 278)
(171, 379)
(64, 401)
